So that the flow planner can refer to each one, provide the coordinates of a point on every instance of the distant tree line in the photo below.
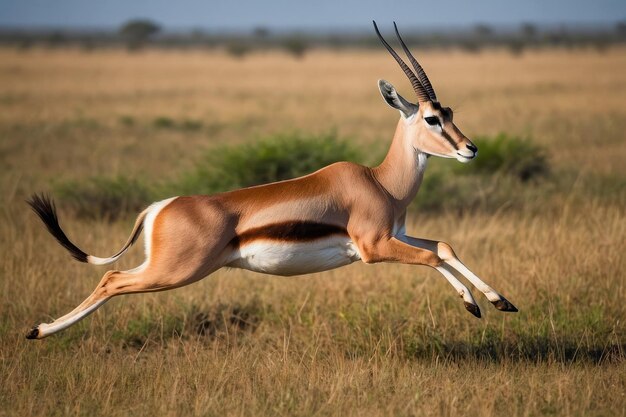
(139, 33)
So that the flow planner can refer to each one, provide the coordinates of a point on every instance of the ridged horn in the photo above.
(422, 94)
(421, 74)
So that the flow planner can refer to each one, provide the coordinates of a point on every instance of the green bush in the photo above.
(271, 159)
(296, 46)
(163, 122)
(101, 197)
(127, 120)
(238, 49)
(191, 124)
(510, 155)
(496, 178)
(136, 32)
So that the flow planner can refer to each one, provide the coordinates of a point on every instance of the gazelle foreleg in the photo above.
(395, 250)
(446, 253)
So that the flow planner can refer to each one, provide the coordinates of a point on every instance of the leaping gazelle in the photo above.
(340, 214)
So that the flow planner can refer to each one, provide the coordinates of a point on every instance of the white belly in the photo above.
(295, 258)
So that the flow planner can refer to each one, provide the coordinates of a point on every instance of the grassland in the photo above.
(363, 340)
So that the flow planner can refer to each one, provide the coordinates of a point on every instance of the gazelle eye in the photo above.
(432, 120)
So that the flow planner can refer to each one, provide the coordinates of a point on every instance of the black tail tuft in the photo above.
(45, 209)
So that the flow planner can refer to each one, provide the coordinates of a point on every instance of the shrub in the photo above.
(191, 124)
(163, 122)
(127, 120)
(101, 197)
(515, 46)
(296, 46)
(271, 159)
(509, 155)
(238, 49)
(493, 180)
(137, 31)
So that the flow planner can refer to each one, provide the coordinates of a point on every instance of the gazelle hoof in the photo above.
(34, 333)
(504, 305)
(472, 308)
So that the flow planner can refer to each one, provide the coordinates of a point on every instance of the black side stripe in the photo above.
(297, 231)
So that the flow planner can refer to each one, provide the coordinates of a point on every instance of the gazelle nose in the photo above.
(472, 147)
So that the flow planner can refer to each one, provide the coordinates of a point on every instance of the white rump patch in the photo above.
(153, 210)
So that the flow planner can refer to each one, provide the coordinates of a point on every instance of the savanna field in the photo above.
(364, 340)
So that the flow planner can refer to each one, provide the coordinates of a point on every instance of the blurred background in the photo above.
(249, 26)
(109, 106)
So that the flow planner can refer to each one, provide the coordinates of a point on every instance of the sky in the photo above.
(306, 15)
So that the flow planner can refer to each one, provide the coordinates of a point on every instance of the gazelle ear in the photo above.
(395, 100)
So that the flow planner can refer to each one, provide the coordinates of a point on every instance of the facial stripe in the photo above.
(289, 231)
(449, 139)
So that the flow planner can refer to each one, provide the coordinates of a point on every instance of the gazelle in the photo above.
(338, 215)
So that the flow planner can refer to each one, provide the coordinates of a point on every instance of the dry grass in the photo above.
(362, 340)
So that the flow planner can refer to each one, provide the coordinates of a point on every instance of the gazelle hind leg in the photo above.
(446, 253)
(97, 298)
(113, 283)
(173, 259)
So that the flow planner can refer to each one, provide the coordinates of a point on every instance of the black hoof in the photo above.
(472, 308)
(34, 332)
(504, 305)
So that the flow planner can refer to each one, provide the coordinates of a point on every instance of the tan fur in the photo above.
(193, 236)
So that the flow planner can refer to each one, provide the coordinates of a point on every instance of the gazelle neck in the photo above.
(402, 170)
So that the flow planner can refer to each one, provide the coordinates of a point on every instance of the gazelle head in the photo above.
(429, 124)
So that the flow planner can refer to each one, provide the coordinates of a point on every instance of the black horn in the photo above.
(421, 74)
(422, 94)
